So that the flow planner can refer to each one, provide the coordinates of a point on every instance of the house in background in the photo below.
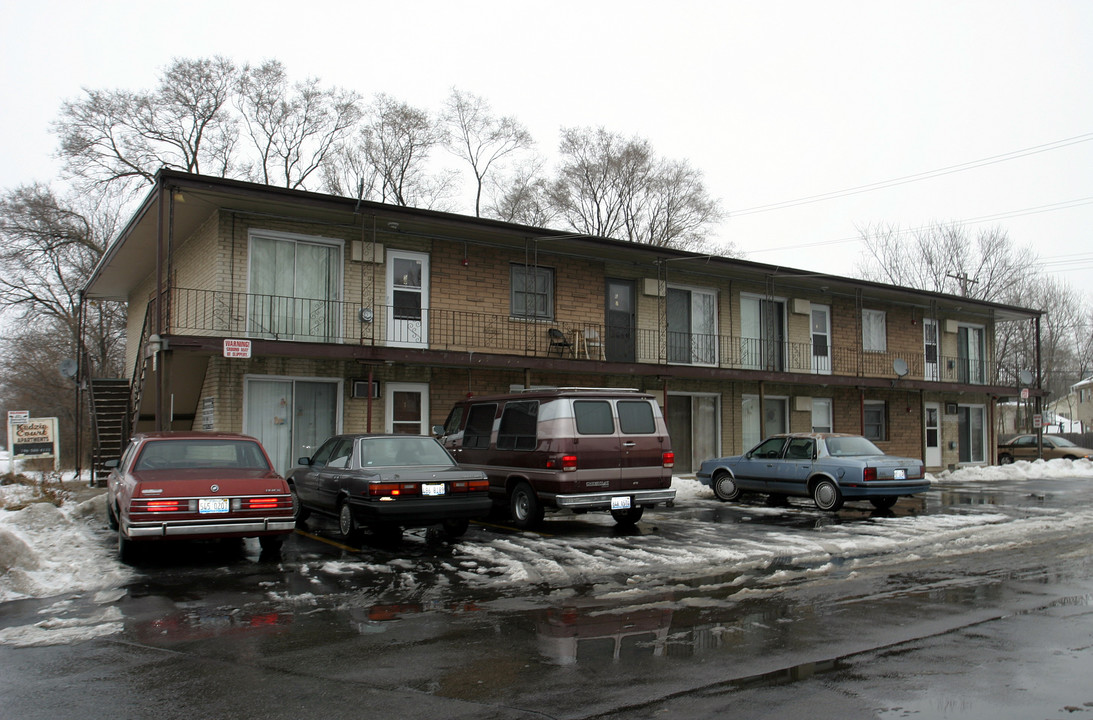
(1077, 405)
(292, 315)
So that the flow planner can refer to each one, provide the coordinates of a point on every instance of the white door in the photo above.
(821, 339)
(932, 422)
(407, 408)
(929, 349)
(407, 299)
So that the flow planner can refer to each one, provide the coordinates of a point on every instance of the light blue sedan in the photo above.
(828, 467)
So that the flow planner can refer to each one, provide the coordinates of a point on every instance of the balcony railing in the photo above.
(242, 315)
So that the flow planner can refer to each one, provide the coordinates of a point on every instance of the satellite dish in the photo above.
(900, 366)
(69, 368)
(1025, 377)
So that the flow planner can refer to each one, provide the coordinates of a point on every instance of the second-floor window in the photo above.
(692, 326)
(532, 293)
(295, 283)
(972, 367)
(874, 331)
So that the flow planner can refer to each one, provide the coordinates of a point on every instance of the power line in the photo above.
(929, 174)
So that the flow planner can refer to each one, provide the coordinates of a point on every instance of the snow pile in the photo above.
(47, 550)
(1020, 470)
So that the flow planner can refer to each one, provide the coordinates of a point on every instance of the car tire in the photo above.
(884, 503)
(1005, 459)
(127, 549)
(725, 487)
(347, 524)
(827, 496)
(629, 516)
(527, 511)
(271, 543)
(299, 512)
(455, 529)
(111, 516)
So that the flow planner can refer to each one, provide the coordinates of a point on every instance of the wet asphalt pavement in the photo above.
(817, 618)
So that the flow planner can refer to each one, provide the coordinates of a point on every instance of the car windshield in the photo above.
(848, 446)
(402, 451)
(201, 453)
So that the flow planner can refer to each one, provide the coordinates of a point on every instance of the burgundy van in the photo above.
(577, 449)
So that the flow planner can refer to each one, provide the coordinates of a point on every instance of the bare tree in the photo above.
(479, 137)
(522, 196)
(121, 138)
(611, 186)
(292, 128)
(946, 259)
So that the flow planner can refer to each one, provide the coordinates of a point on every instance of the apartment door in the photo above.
(619, 320)
(929, 349)
(693, 425)
(932, 422)
(407, 408)
(407, 299)
(821, 339)
(291, 417)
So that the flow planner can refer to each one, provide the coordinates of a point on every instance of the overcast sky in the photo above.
(772, 101)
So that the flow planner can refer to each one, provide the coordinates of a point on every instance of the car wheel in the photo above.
(1070, 457)
(883, 503)
(1005, 459)
(347, 525)
(111, 516)
(299, 512)
(271, 543)
(525, 507)
(827, 496)
(725, 487)
(456, 528)
(628, 516)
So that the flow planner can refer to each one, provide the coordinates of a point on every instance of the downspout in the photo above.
(157, 396)
(1039, 394)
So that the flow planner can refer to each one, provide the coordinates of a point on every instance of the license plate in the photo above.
(212, 505)
(620, 503)
(900, 474)
(432, 488)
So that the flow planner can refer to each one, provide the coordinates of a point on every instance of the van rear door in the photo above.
(598, 445)
(644, 440)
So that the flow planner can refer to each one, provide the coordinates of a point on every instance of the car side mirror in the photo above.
(438, 430)
(303, 461)
(111, 464)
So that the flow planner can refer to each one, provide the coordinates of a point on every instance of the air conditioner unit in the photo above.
(359, 389)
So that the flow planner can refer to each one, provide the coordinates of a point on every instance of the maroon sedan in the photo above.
(195, 485)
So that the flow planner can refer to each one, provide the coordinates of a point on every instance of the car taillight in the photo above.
(669, 459)
(261, 503)
(869, 473)
(565, 463)
(461, 486)
(164, 506)
(393, 489)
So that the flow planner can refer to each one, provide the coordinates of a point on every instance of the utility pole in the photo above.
(964, 280)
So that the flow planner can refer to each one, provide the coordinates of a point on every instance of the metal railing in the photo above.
(243, 315)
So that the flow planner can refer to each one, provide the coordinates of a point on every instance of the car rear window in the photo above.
(593, 417)
(518, 424)
(636, 417)
(479, 426)
(201, 453)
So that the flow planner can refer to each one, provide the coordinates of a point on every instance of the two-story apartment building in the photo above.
(292, 315)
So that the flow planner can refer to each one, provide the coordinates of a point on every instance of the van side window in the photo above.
(479, 426)
(593, 417)
(455, 417)
(518, 423)
(636, 417)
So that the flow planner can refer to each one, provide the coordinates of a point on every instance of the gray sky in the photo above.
(773, 101)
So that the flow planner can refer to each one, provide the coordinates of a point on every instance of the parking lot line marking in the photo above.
(328, 542)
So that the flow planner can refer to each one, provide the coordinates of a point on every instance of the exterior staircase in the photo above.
(109, 399)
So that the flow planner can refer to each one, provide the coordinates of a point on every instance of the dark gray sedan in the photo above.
(387, 483)
(828, 467)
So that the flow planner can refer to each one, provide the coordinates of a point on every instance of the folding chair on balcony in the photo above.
(593, 345)
(559, 342)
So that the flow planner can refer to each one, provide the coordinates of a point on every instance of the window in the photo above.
(295, 285)
(518, 424)
(532, 292)
(762, 333)
(636, 417)
(775, 418)
(875, 420)
(969, 348)
(972, 428)
(692, 326)
(770, 449)
(593, 417)
(799, 449)
(342, 452)
(821, 415)
(874, 333)
(479, 426)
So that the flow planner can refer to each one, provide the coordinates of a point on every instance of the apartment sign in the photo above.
(237, 348)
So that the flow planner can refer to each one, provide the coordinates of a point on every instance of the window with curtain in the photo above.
(874, 331)
(294, 288)
(692, 326)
